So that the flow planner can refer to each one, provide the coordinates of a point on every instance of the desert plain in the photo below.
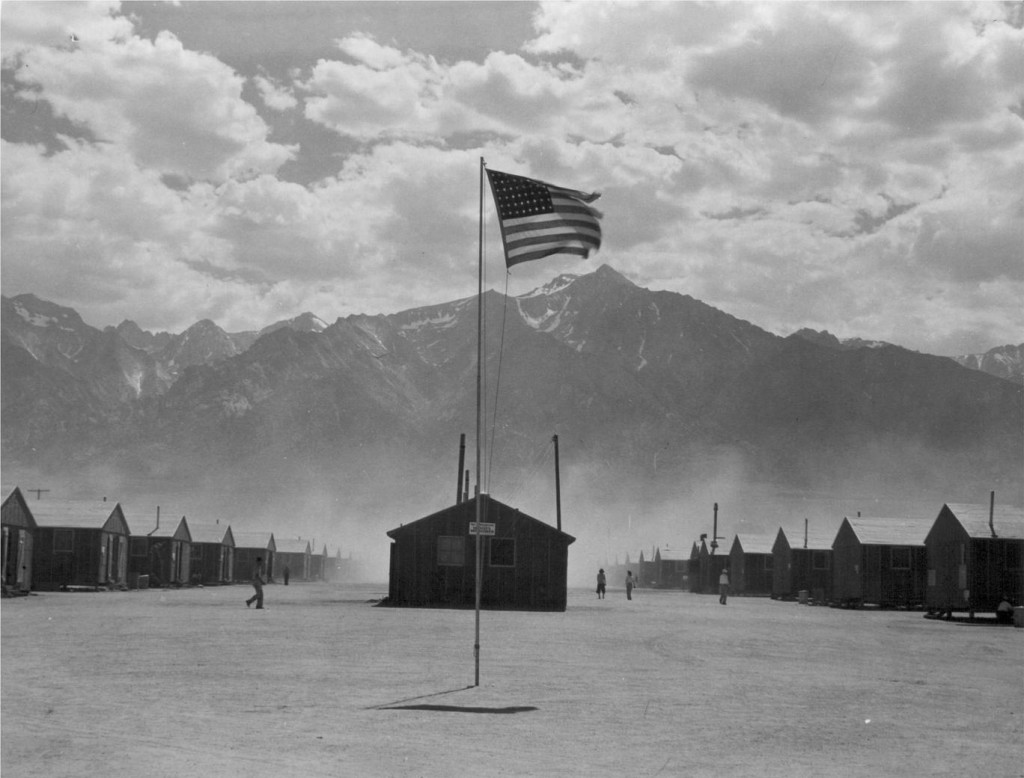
(324, 682)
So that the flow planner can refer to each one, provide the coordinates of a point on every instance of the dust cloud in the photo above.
(349, 501)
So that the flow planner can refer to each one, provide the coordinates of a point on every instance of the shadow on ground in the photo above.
(397, 705)
(462, 708)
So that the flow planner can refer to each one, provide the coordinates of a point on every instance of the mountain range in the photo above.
(660, 402)
(1003, 361)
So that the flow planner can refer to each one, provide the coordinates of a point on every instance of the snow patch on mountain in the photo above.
(1002, 361)
(548, 321)
(374, 342)
(554, 286)
(134, 380)
(69, 352)
(35, 319)
(746, 346)
(440, 321)
(310, 322)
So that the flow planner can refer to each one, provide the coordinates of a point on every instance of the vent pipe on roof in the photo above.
(558, 487)
(805, 533)
(991, 513)
(714, 531)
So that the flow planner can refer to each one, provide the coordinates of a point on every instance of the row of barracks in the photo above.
(966, 559)
(51, 545)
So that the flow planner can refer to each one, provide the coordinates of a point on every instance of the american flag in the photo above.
(539, 219)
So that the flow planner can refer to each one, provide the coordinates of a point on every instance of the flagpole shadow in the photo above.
(465, 708)
(388, 705)
(403, 705)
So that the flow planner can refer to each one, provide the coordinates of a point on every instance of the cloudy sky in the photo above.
(850, 167)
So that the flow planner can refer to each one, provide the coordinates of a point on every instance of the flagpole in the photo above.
(479, 396)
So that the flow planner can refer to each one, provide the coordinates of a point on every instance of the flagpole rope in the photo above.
(536, 220)
(497, 379)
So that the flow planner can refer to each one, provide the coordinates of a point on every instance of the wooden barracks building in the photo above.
(803, 562)
(163, 555)
(433, 560)
(750, 565)
(19, 529)
(975, 558)
(213, 553)
(880, 561)
(79, 544)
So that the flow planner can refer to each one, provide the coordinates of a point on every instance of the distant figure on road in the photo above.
(1004, 611)
(723, 586)
(257, 584)
(287, 572)
(601, 581)
(630, 582)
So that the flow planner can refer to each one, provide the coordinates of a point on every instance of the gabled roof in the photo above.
(77, 514)
(871, 530)
(16, 505)
(261, 539)
(469, 507)
(820, 535)
(291, 546)
(753, 544)
(146, 518)
(170, 528)
(674, 555)
(206, 532)
(1007, 521)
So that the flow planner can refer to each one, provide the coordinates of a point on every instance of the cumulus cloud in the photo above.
(29, 27)
(796, 164)
(380, 91)
(173, 110)
(274, 95)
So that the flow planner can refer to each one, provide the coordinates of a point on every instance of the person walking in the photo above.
(287, 573)
(1004, 611)
(257, 584)
(601, 581)
(630, 582)
(723, 586)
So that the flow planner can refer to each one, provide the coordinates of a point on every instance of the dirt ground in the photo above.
(321, 683)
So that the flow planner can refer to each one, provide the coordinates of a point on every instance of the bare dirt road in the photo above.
(321, 683)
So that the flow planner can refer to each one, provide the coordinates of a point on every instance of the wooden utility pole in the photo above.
(462, 462)
(714, 532)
